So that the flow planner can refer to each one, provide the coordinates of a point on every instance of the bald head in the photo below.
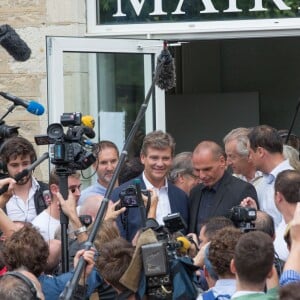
(209, 147)
(91, 206)
(209, 162)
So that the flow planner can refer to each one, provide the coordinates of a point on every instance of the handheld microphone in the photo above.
(166, 78)
(184, 244)
(26, 171)
(31, 106)
(13, 44)
(88, 121)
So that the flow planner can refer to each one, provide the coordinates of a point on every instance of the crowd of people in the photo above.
(217, 222)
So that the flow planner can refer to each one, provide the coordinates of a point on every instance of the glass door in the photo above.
(107, 79)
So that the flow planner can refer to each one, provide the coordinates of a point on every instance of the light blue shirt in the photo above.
(265, 191)
(95, 189)
(222, 287)
(289, 276)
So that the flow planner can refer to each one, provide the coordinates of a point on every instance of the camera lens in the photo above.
(55, 131)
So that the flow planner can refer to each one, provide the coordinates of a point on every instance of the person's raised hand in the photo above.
(249, 202)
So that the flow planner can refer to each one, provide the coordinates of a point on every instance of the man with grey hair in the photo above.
(181, 172)
(236, 144)
(156, 155)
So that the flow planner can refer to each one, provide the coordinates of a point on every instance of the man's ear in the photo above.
(279, 196)
(232, 266)
(54, 188)
(142, 157)
(260, 151)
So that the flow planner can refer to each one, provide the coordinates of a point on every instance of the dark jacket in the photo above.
(39, 201)
(230, 192)
(179, 202)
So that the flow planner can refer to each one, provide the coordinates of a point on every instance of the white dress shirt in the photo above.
(265, 192)
(19, 210)
(163, 205)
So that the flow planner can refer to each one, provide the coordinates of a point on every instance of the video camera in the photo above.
(157, 257)
(243, 217)
(68, 148)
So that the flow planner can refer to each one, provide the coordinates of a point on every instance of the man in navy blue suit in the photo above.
(156, 155)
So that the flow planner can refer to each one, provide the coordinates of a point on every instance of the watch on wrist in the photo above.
(80, 230)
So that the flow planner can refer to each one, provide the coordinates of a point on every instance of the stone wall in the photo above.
(33, 20)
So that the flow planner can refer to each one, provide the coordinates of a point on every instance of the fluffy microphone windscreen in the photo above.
(88, 121)
(166, 78)
(13, 44)
(35, 108)
(185, 244)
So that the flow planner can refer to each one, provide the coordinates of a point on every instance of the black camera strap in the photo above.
(148, 203)
(124, 221)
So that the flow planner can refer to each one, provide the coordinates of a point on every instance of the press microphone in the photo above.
(184, 244)
(89, 132)
(26, 171)
(31, 106)
(166, 78)
(88, 121)
(13, 44)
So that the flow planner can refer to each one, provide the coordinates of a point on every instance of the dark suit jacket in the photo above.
(230, 193)
(179, 202)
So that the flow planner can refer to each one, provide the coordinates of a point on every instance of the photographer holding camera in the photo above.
(49, 220)
(156, 156)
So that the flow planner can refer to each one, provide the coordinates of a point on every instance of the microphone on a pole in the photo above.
(166, 78)
(31, 106)
(13, 44)
(26, 171)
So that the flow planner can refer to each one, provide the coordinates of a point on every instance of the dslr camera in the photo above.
(243, 217)
(129, 197)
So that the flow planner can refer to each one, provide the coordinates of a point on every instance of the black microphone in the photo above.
(89, 132)
(13, 44)
(166, 78)
(31, 106)
(26, 171)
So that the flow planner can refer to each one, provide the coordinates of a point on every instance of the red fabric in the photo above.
(3, 271)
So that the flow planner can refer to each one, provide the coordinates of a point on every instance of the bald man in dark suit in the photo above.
(218, 191)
